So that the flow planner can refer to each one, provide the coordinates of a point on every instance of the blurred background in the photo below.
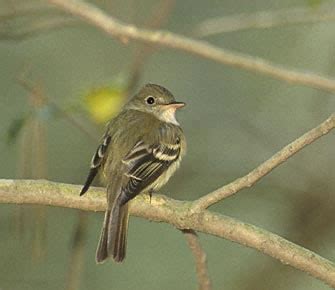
(61, 80)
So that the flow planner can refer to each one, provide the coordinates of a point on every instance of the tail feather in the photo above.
(113, 238)
(118, 228)
(102, 253)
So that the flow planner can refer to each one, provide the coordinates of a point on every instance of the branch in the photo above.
(35, 19)
(177, 213)
(35, 28)
(264, 19)
(22, 11)
(158, 17)
(124, 32)
(77, 255)
(36, 90)
(265, 168)
(200, 259)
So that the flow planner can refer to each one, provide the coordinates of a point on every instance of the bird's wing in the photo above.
(145, 163)
(96, 162)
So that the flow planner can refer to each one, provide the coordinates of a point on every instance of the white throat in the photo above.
(169, 116)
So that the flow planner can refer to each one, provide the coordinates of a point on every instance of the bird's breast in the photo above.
(164, 178)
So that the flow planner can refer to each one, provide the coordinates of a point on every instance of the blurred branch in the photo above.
(28, 11)
(34, 140)
(77, 253)
(159, 16)
(265, 168)
(124, 32)
(264, 19)
(23, 22)
(37, 90)
(177, 213)
(37, 27)
(200, 259)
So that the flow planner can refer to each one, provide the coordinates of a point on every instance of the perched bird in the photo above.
(141, 149)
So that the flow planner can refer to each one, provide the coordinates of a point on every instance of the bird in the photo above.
(140, 150)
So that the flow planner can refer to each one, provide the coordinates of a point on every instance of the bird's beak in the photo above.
(175, 105)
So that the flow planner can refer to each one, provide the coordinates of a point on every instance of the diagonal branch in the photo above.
(36, 27)
(159, 16)
(266, 167)
(21, 21)
(200, 259)
(177, 213)
(264, 19)
(124, 32)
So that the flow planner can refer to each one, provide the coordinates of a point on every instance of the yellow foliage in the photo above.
(104, 103)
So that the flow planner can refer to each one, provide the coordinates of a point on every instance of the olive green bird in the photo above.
(141, 149)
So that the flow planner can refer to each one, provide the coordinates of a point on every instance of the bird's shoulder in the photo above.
(132, 126)
(133, 121)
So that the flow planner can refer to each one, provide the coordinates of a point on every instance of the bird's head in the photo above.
(156, 100)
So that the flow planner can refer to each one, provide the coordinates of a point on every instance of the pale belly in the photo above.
(164, 178)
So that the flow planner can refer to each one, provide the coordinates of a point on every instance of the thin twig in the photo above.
(177, 213)
(28, 11)
(265, 168)
(37, 90)
(124, 32)
(264, 19)
(200, 259)
(21, 22)
(160, 14)
(36, 28)
(77, 254)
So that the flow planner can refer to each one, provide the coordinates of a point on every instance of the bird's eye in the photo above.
(150, 100)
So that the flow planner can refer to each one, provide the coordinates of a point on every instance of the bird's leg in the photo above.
(150, 194)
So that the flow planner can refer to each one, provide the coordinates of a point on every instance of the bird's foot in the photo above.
(150, 195)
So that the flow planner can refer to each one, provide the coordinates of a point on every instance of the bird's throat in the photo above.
(169, 116)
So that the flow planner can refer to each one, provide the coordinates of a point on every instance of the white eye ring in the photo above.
(150, 100)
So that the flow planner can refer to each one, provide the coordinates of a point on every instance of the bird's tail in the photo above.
(113, 239)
